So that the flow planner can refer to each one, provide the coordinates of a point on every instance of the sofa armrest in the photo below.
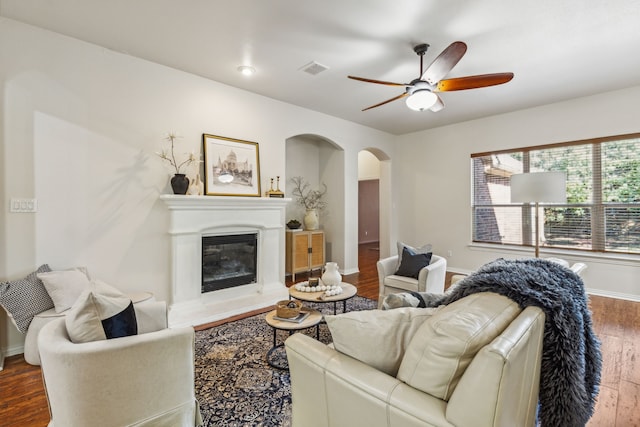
(387, 266)
(500, 386)
(431, 278)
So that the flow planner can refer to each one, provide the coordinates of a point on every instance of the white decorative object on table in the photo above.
(329, 290)
(331, 275)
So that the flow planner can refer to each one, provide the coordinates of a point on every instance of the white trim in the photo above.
(346, 272)
(12, 351)
(615, 295)
(604, 258)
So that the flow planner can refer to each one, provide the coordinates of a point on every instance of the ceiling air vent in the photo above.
(314, 68)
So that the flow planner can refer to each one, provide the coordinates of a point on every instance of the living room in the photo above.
(89, 118)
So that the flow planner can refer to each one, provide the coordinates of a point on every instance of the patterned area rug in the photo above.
(234, 383)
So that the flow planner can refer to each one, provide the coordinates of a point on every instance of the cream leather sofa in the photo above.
(430, 279)
(140, 380)
(495, 386)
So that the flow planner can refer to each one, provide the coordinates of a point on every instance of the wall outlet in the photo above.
(449, 253)
(23, 205)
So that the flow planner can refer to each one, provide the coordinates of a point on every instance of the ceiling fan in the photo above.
(421, 92)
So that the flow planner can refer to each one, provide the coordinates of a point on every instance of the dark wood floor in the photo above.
(616, 322)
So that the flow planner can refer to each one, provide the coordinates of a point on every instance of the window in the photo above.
(602, 212)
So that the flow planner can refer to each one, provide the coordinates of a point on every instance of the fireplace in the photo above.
(228, 261)
(255, 226)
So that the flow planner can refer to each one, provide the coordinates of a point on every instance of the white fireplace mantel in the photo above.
(192, 217)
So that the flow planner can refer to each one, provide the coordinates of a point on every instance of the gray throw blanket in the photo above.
(571, 357)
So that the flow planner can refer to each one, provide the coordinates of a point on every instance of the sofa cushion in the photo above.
(421, 250)
(445, 344)
(97, 317)
(375, 337)
(24, 298)
(65, 286)
(412, 263)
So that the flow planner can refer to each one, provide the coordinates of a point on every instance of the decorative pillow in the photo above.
(445, 344)
(65, 286)
(24, 298)
(96, 317)
(100, 287)
(375, 337)
(421, 250)
(411, 263)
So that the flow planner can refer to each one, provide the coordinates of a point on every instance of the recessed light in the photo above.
(246, 70)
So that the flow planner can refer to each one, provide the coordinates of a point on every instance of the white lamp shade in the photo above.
(421, 100)
(540, 187)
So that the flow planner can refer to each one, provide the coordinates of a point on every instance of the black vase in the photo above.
(179, 183)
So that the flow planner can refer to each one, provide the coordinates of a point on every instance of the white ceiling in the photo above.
(557, 49)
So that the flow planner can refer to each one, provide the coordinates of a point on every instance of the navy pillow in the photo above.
(122, 324)
(412, 263)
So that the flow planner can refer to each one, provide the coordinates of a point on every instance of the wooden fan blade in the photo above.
(380, 82)
(439, 105)
(473, 82)
(444, 63)
(402, 95)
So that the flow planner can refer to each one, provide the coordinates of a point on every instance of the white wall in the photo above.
(435, 177)
(368, 166)
(80, 126)
(302, 159)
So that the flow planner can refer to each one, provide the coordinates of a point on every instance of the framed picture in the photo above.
(231, 167)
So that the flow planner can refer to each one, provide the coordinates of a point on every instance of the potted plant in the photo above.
(310, 199)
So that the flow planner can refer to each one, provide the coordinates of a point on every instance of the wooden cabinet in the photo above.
(305, 251)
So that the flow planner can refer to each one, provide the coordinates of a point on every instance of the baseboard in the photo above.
(455, 270)
(11, 351)
(348, 271)
(616, 295)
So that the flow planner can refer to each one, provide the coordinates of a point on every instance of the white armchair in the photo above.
(430, 279)
(141, 380)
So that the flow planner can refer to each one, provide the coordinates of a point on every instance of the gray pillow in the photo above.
(24, 298)
(411, 263)
(421, 250)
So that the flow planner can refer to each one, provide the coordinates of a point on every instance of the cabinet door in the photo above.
(300, 251)
(317, 249)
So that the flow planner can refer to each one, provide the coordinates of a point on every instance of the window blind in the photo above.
(602, 212)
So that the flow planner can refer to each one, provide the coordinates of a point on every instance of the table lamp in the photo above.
(539, 187)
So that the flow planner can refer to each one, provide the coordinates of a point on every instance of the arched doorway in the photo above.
(374, 179)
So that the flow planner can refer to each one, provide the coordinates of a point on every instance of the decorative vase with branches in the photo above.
(310, 199)
(179, 181)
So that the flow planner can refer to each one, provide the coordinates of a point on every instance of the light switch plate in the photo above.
(23, 205)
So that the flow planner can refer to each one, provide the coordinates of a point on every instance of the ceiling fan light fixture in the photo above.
(421, 100)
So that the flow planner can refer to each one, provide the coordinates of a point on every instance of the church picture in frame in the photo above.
(231, 166)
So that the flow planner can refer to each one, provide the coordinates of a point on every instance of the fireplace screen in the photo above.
(228, 261)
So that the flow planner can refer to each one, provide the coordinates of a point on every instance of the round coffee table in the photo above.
(313, 319)
(348, 292)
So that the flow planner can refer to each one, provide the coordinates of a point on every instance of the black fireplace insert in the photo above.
(228, 261)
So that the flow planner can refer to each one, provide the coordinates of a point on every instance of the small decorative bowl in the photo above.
(294, 224)
(288, 309)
